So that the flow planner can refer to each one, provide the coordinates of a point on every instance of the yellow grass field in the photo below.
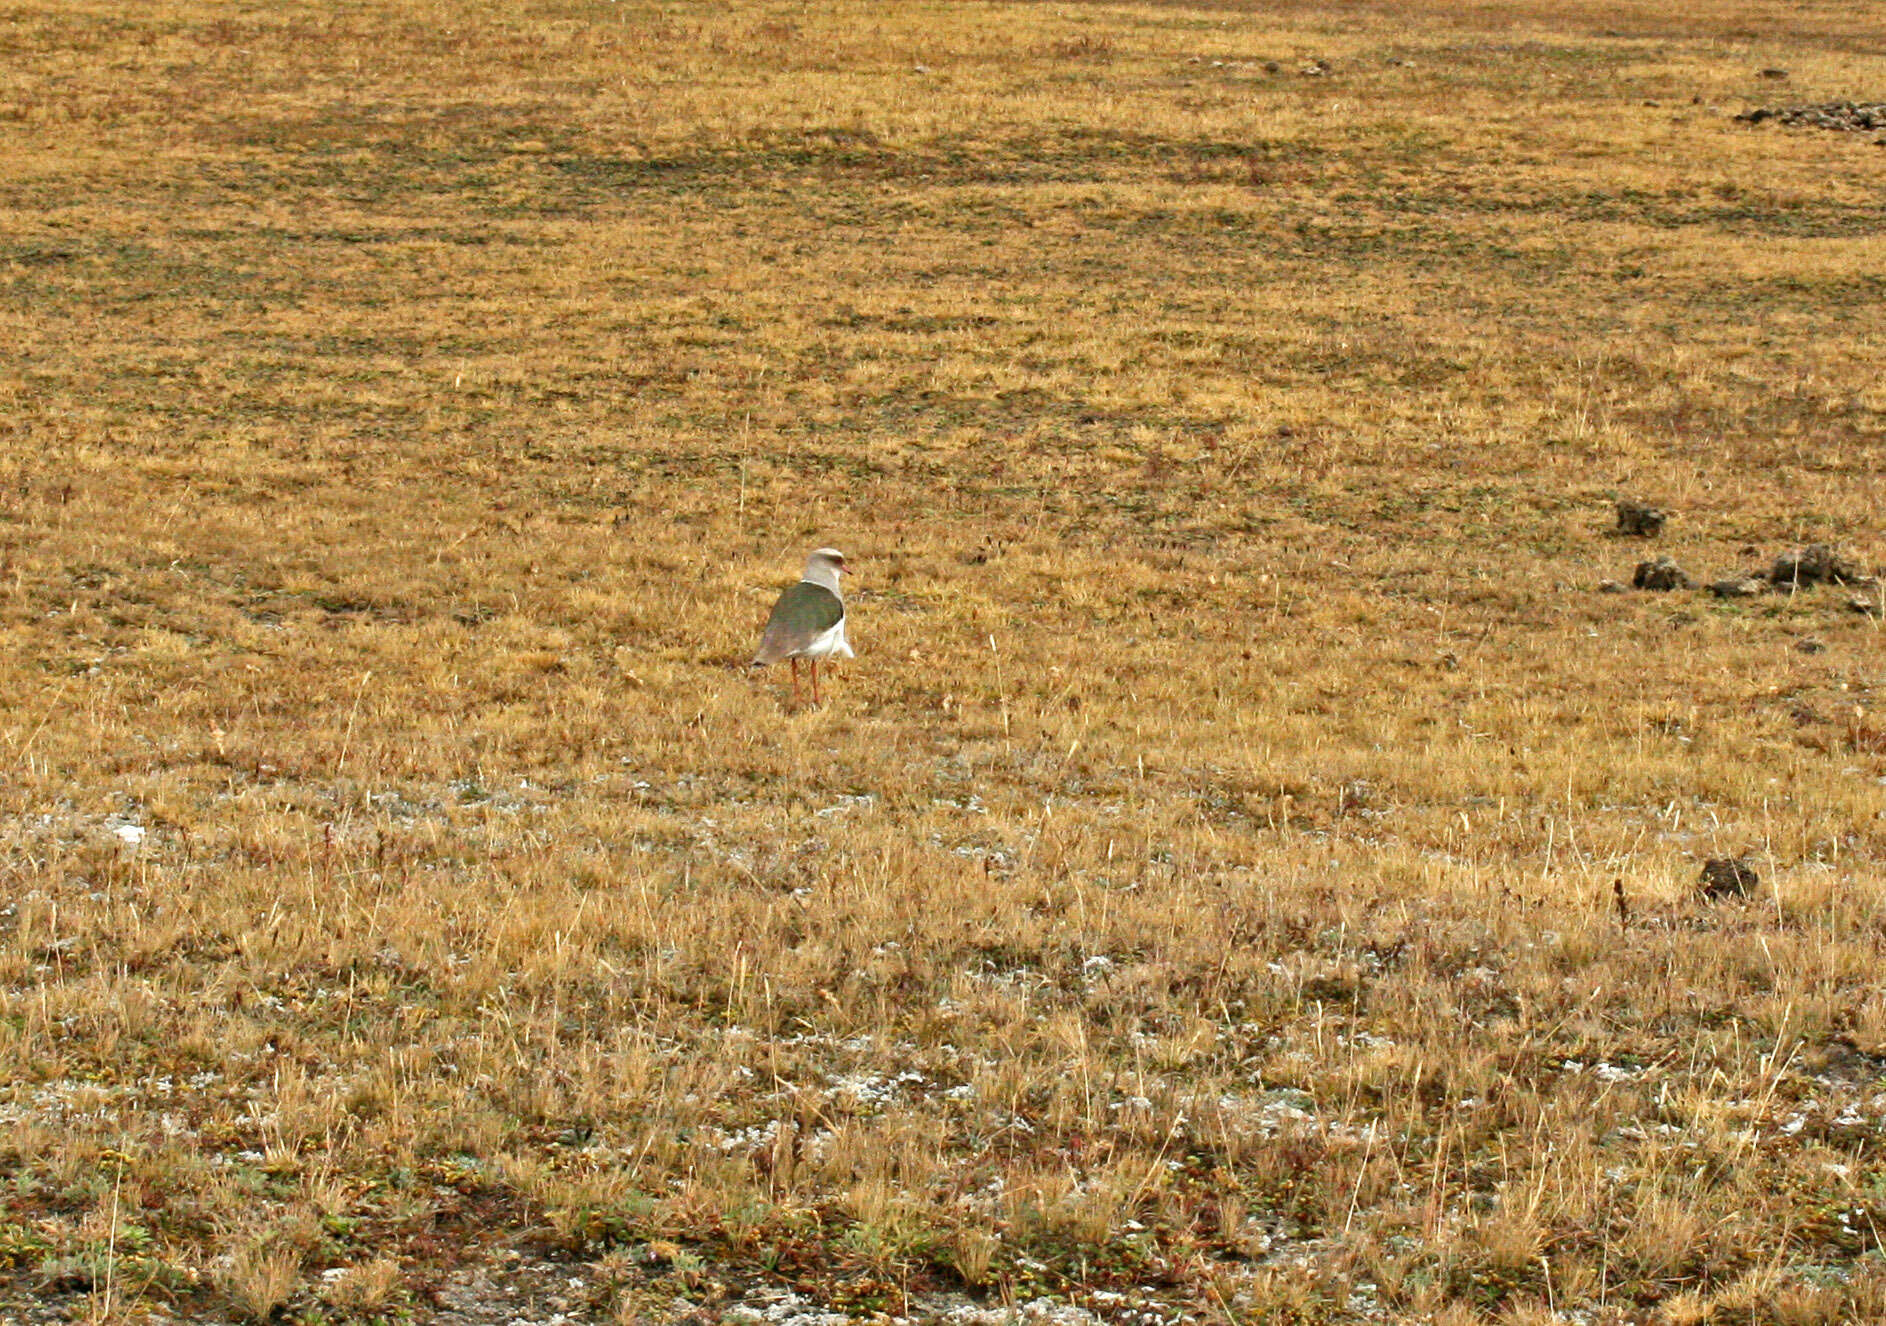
(1250, 872)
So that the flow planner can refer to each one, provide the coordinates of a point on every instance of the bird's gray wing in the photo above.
(804, 613)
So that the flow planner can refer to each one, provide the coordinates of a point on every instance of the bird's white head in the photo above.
(824, 567)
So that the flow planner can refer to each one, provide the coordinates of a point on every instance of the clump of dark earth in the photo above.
(1810, 566)
(1661, 574)
(1846, 116)
(1728, 877)
(1639, 519)
(1802, 568)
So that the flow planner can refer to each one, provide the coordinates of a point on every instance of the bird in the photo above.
(808, 621)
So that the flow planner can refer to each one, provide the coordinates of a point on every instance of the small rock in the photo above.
(1661, 574)
(1728, 877)
(1640, 519)
(1612, 586)
(1810, 566)
(1810, 645)
(1737, 587)
(1777, 75)
(1873, 606)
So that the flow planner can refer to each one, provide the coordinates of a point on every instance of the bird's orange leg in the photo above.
(815, 682)
(795, 682)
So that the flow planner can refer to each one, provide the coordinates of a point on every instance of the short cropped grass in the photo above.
(1249, 872)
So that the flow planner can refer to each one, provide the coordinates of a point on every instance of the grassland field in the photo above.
(1249, 873)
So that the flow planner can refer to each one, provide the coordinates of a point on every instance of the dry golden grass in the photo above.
(1200, 898)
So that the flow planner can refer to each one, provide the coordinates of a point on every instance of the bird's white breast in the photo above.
(830, 643)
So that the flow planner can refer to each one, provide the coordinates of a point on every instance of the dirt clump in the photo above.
(1846, 116)
(1728, 877)
(1812, 565)
(1738, 587)
(1661, 574)
(1639, 519)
